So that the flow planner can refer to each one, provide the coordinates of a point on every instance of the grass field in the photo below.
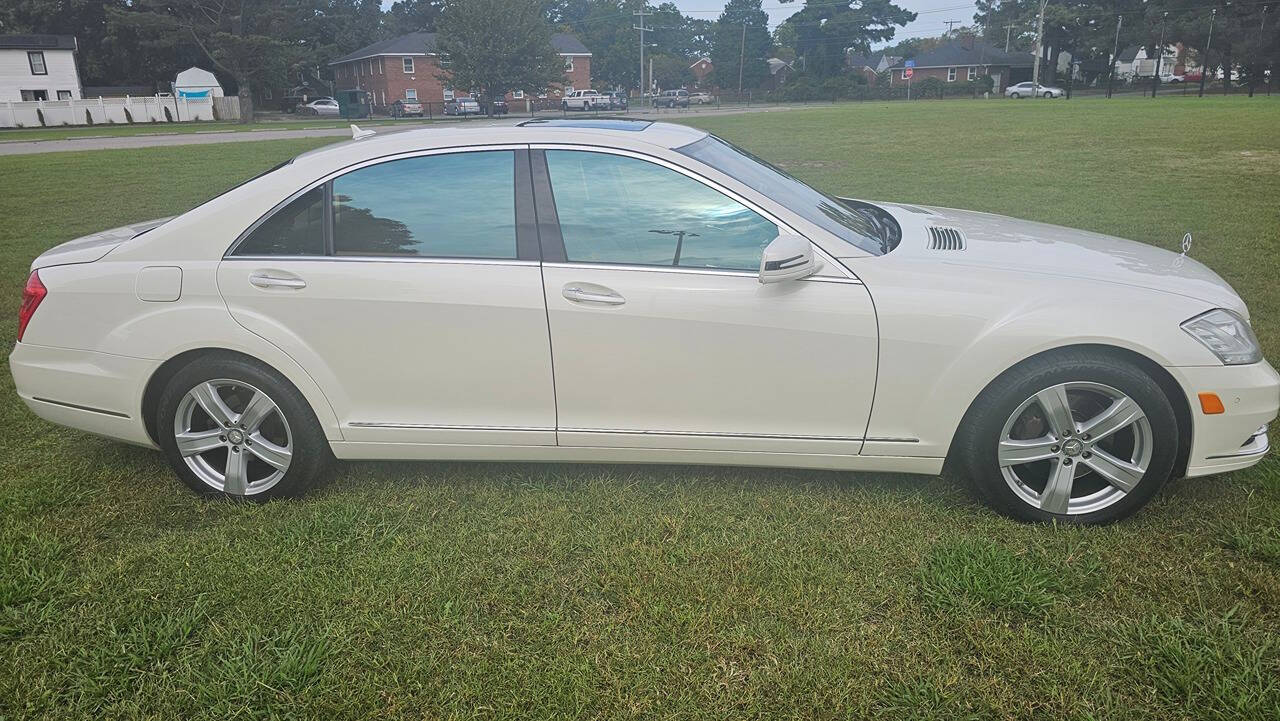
(528, 591)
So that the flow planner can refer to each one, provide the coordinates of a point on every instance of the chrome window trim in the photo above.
(691, 271)
(441, 260)
(782, 225)
(229, 253)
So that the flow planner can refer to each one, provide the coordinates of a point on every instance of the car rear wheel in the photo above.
(232, 427)
(1072, 437)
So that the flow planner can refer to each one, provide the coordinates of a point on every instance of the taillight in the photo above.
(31, 297)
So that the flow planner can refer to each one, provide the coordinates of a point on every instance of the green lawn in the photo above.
(441, 590)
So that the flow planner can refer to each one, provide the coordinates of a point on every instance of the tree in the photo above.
(411, 16)
(741, 39)
(826, 30)
(241, 38)
(494, 46)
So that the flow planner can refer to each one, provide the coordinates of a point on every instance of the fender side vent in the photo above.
(941, 238)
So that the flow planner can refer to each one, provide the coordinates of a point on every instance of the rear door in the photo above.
(662, 335)
(410, 289)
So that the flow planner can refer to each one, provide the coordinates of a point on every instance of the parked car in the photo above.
(756, 323)
(1031, 90)
(701, 98)
(1174, 79)
(617, 100)
(584, 100)
(320, 106)
(405, 108)
(1192, 76)
(672, 99)
(462, 106)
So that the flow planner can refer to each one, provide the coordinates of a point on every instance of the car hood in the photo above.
(92, 247)
(1000, 242)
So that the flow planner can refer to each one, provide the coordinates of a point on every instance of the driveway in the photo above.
(123, 142)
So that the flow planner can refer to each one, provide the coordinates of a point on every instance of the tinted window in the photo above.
(457, 205)
(615, 209)
(295, 229)
(822, 210)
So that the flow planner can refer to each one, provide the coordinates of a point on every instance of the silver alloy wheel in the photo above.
(1075, 448)
(233, 437)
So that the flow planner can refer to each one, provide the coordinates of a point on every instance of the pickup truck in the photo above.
(584, 100)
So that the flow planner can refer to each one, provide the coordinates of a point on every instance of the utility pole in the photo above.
(642, 15)
(1115, 51)
(950, 24)
(1204, 61)
(1007, 29)
(1155, 80)
(1035, 70)
(742, 57)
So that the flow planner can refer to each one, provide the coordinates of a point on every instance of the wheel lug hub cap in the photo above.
(1072, 447)
(235, 437)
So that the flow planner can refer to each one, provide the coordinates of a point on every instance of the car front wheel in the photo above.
(232, 427)
(1072, 437)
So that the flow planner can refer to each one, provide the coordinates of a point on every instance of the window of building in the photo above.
(655, 215)
(973, 74)
(401, 207)
(35, 59)
(64, 95)
(568, 65)
(296, 229)
(517, 95)
(411, 94)
(30, 95)
(266, 93)
(408, 64)
(951, 75)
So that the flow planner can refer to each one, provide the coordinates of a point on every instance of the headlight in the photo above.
(1227, 335)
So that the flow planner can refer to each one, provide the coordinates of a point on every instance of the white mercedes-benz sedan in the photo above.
(634, 292)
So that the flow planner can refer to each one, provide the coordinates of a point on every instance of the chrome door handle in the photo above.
(573, 292)
(266, 280)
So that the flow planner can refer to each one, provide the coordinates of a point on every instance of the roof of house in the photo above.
(966, 53)
(857, 60)
(703, 59)
(37, 42)
(425, 44)
(777, 64)
(1128, 54)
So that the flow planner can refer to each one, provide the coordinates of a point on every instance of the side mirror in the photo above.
(788, 257)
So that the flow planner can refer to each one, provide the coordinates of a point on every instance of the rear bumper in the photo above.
(95, 392)
(1237, 438)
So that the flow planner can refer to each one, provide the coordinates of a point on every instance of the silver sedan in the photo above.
(1032, 90)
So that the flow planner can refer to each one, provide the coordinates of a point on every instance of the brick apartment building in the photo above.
(406, 68)
(961, 61)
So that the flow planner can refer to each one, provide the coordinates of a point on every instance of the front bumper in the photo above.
(99, 393)
(1236, 438)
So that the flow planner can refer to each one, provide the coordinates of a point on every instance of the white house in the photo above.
(196, 83)
(38, 67)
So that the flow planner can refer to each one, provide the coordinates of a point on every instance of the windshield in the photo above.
(849, 224)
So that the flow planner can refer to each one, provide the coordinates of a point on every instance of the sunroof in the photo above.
(599, 124)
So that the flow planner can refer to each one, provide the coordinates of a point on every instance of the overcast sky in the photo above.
(929, 22)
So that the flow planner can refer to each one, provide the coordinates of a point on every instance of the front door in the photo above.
(403, 288)
(663, 337)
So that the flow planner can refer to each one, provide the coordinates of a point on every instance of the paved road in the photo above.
(106, 142)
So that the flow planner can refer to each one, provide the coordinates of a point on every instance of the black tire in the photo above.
(1015, 96)
(311, 453)
(977, 440)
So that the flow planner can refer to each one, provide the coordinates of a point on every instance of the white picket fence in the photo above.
(117, 111)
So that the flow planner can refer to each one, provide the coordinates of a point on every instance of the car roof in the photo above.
(606, 132)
